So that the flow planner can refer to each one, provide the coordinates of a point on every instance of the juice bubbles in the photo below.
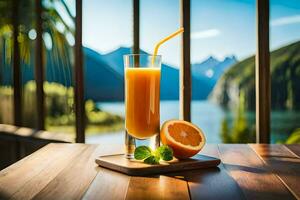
(142, 93)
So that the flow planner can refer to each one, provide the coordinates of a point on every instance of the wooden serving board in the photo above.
(137, 168)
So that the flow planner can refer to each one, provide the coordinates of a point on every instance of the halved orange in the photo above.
(185, 138)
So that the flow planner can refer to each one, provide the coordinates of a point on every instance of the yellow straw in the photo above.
(164, 40)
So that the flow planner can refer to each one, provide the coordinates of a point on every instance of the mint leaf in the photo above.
(152, 160)
(165, 152)
(153, 157)
(142, 152)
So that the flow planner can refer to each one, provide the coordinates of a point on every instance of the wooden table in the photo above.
(68, 171)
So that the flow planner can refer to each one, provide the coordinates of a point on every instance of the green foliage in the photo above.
(240, 131)
(294, 138)
(6, 105)
(225, 132)
(26, 22)
(239, 81)
(59, 102)
(285, 79)
(97, 117)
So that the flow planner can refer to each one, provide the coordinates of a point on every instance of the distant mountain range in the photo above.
(110, 67)
(213, 68)
(104, 75)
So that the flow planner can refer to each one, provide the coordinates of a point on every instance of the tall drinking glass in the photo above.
(142, 96)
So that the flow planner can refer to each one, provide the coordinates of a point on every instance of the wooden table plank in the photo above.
(295, 148)
(251, 173)
(68, 171)
(157, 187)
(37, 183)
(282, 162)
(16, 176)
(214, 183)
(74, 180)
(116, 184)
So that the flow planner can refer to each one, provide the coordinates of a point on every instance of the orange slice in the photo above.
(185, 138)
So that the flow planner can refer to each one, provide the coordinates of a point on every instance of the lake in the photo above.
(207, 115)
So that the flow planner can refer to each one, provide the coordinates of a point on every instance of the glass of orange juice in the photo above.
(142, 98)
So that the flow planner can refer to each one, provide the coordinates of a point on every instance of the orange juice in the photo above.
(142, 91)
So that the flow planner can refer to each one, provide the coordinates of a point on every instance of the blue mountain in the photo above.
(104, 75)
(95, 63)
(102, 82)
(212, 67)
(201, 84)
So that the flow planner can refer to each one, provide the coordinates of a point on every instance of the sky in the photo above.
(219, 28)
